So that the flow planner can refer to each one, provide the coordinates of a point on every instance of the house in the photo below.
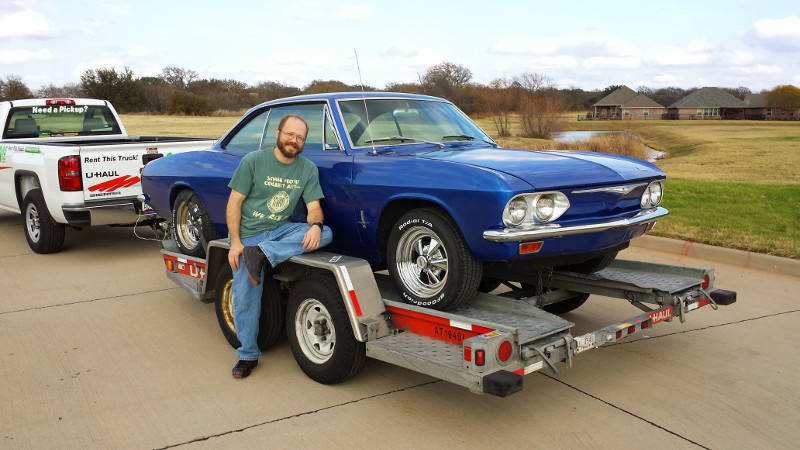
(625, 103)
(761, 110)
(708, 103)
(756, 107)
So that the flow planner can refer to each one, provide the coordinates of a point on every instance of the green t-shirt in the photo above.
(272, 189)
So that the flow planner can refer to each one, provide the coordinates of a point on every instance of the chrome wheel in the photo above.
(422, 262)
(188, 223)
(32, 226)
(315, 331)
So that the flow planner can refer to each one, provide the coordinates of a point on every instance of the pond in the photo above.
(575, 136)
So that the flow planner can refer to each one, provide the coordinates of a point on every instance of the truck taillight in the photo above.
(69, 173)
(60, 101)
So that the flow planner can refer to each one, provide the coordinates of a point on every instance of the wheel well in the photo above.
(24, 182)
(393, 210)
(174, 194)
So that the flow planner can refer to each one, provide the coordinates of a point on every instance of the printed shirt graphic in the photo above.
(272, 189)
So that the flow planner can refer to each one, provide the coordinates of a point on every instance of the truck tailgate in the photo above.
(114, 171)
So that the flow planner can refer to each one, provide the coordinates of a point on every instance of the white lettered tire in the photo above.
(429, 261)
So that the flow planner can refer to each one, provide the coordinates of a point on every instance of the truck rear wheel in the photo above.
(43, 234)
(320, 334)
(271, 322)
(193, 228)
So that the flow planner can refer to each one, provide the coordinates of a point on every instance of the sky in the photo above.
(582, 44)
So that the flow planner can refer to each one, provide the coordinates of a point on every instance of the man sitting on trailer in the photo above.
(264, 192)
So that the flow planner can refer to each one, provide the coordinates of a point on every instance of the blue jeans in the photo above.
(279, 245)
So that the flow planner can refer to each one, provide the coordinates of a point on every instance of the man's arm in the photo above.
(233, 215)
(312, 237)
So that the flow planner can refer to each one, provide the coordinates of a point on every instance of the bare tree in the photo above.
(500, 100)
(534, 83)
(13, 88)
(69, 90)
(541, 115)
(178, 77)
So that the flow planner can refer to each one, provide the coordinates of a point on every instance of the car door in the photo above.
(324, 148)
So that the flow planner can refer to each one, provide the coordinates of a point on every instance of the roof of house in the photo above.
(642, 101)
(756, 100)
(627, 98)
(709, 97)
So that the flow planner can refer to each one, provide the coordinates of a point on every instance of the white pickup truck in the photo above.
(70, 162)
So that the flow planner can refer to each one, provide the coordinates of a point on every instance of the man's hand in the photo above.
(311, 238)
(234, 253)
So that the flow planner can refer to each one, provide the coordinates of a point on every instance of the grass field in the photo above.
(729, 183)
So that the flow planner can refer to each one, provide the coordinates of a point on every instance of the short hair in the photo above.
(291, 116)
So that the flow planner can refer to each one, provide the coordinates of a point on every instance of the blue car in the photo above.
(412, 185)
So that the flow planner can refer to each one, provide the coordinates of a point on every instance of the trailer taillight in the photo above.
(69, 173)
(480, 357)
(60, 101)
(706, 281)
(505, 351)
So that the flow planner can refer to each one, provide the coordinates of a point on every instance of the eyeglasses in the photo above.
(294, 137)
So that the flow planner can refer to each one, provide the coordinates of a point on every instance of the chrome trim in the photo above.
(622, 190)
(553, 230)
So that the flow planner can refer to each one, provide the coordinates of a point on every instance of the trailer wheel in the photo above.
(429, 261)
(320, 334)
(193, 228)
(270, 324)
(43, 234)
(565, 306)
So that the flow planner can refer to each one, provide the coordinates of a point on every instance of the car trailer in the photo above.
(337, 312)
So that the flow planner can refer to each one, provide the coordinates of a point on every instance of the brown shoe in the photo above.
(243, 367)
(254, 260)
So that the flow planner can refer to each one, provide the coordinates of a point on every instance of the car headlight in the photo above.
(530, 209)
(653, 194)
(516, 211)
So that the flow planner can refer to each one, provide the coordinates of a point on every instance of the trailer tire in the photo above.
(429, 261)
(320, 334)
(270, 324)
(43, 234)
(193, 228)
(565, 306)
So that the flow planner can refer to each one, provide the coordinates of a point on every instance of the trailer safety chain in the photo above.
(541, 283)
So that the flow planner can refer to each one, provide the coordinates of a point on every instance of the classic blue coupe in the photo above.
(412, 185)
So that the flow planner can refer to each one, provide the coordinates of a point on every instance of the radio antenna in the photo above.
(364, 97)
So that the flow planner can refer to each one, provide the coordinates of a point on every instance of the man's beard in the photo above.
(288, 151)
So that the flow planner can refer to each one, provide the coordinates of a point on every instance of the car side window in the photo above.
(248, 138)
(331, 143)
(314, 115)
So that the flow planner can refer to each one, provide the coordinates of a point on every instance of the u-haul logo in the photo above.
(661, 315)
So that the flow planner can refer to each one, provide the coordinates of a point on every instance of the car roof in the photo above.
(351, 96)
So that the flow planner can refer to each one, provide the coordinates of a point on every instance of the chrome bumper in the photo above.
(553, 230)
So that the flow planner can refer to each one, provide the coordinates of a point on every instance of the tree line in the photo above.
(534, 96)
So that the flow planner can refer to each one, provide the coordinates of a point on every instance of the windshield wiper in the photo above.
(469, 138)
(403, 138)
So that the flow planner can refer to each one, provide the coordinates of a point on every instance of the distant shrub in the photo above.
(615, 143)
(188, 104)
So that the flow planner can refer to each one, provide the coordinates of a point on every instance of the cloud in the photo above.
(399, 50)
(676, 56)
(18, 56)
(25, 24)
(780, 34)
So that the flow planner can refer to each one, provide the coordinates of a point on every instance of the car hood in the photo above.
(553, 169)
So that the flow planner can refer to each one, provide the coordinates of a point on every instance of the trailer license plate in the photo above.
(585, 342)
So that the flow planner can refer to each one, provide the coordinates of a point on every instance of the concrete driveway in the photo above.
(99, 350)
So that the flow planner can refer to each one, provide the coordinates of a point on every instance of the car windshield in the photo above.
(60, 120)
(399, 121)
